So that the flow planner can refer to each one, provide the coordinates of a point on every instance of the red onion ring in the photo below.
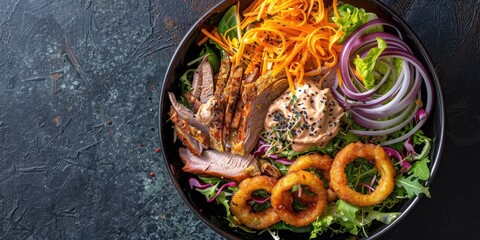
(383, 114)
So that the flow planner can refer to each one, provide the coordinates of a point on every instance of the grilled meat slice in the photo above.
(197, 83)
(186, 128)
(186, 114)
(220, 164)
(216, 125)
(231, 92)
(253, 116)
(207, 80)
(193, 101)
(248, 91)
(223, 74)
(191, 143)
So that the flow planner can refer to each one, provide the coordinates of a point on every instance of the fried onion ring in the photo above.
(243, 211)
(383, 164)
(315, 160)
(282, 199)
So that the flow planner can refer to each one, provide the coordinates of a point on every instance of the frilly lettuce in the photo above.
(365, 66)
(351, 18)
(351, 218)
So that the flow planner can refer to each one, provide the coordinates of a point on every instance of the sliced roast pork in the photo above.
(186, 114)
(207, 80)
(220, 164)
(231, 92)
(253, 115)
(194, 139)
(192, 101)
(194, 146)
(247, 92)
(218, 110)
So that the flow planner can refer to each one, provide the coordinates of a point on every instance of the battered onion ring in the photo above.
(383, 164)
(315, 160)
(282, 200)
(243, 211)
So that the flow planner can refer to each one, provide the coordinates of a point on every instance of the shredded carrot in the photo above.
(335, 9)
(419, 102)
(357, 74)
(339, 77)
(289, 36)
(202, 41)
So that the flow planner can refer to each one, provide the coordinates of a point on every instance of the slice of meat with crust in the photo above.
(194, 102)
(186, 114)
(253, 116)
(216, 125)
(232, 90)
(207, 80)
(186, 128)
(220, 164)
(248, 91)
(191, 143)
(197, 83)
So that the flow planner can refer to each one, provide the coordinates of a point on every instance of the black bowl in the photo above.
(214, 215)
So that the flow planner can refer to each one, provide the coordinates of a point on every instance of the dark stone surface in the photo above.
(79, 89)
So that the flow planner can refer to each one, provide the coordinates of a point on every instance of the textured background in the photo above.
(79, 88)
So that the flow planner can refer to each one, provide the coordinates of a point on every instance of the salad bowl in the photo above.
(213, 214)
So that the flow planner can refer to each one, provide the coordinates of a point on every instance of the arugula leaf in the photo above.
(185, 81)
(412, 186)
(420, 169)
(221, 198)
(366, 65)
(351, 18)
(420, 139)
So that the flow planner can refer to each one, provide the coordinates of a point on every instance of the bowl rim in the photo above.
(438, 101)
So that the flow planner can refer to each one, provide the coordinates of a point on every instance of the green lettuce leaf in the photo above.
(228, 23)
(366, 65)
(321, 225)
(351, 18)
(384, 217)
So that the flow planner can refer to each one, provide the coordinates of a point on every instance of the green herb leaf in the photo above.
(186, 80)
(412, 186)
(420, 169)
(211, 180)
